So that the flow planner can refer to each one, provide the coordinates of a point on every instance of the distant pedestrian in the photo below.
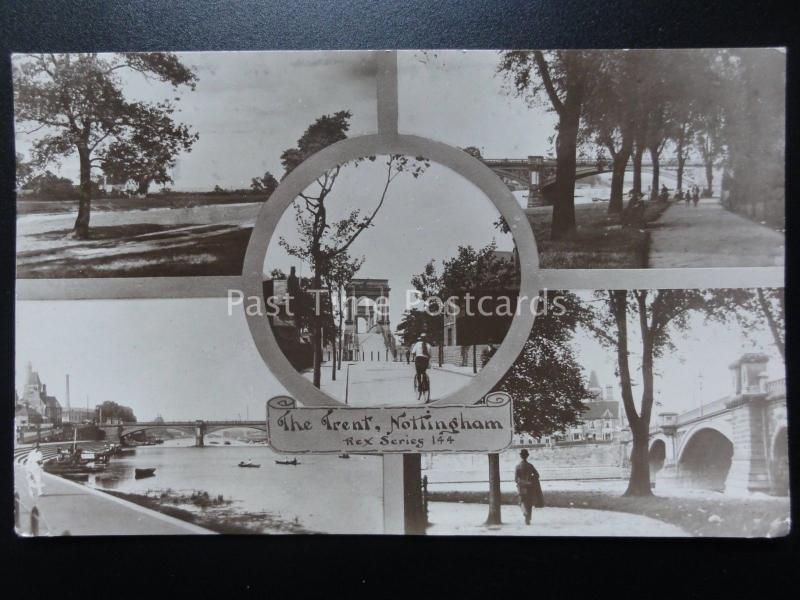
(408, 355)
(33, 468)
(530, 490)
(696, 195)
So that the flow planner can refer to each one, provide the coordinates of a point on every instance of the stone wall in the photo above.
(575, 461)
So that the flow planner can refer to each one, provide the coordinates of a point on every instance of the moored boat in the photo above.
(249, 465)
(142, 473)
(287, 462)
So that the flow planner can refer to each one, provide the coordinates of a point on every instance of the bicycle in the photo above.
(422, 386)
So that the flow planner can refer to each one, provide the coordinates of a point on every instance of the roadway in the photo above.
(376, 383)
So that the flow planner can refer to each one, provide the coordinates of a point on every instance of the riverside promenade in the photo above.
(69, 508)
(709, 235)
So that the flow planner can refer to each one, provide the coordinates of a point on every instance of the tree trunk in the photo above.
(81, 229)
(681, 159)
(333, 358)
(339, 330)
(637, 170)
(709, 177)
(316, 330)
(656, 171)
(144, 187)
(564, 201)
(494, 490)
(639, 483)
(615, 202)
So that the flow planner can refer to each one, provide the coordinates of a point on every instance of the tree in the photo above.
(338, 277)
(77, 104)
(265, 184)
(753, 130)
(24, 171)
(609, 120)
(479, 273)
(546, 382)
(759, 309)
(321, 241)
(109, 410)
(149, 147)
(657, 315)
(567, 78)
(50, 185)
(708, 140)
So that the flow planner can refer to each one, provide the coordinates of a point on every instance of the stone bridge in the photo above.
(738, 443)
(119, 431)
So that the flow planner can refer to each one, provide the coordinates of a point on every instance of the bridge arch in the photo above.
(705, 458)
(779, 462)
(190, 428)
(657, 455)
(128, 431)
(215, 428)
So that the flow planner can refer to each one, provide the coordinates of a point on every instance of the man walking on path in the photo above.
(530, 491)
(33, 468)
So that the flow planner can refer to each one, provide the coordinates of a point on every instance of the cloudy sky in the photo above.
(187, 359)
(250, 106)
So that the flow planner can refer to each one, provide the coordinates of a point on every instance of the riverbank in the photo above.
(697, 516)
(599, 241)
(214, 516)
(70, 508)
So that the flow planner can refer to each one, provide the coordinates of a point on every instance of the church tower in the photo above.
(595, 391)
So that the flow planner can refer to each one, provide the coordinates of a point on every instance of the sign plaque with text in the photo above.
(478, 428)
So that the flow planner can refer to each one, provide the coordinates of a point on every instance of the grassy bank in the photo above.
(600, 240)
(701, 517)
(212, 255)
(212, 513)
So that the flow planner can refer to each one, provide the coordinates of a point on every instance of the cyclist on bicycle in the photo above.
(421, 352)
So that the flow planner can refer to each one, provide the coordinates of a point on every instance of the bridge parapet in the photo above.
(776, 386)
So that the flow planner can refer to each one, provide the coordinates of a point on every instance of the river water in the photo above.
(321, 494)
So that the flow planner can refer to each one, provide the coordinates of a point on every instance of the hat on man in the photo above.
(523, 453)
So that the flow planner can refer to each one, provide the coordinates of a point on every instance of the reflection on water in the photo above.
(322, 493)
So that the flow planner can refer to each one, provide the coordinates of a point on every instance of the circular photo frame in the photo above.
(474, 171)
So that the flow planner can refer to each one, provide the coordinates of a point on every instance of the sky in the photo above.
(421, 219)
(188, 359)
(248, 107)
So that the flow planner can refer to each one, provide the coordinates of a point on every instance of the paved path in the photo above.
(711, 236)
(455, 518)
(374, 383)
(69, 508)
